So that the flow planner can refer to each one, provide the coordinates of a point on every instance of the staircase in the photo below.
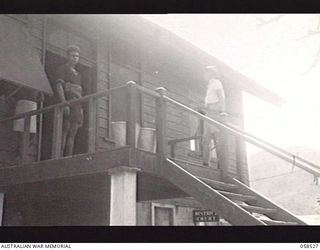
(232, 200)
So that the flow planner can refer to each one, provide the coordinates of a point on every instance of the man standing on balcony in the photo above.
(68, 87)
(215, 108)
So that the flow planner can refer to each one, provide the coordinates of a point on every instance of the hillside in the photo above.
(292, 188)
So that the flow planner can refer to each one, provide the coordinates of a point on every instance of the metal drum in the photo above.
(22, 107)
(147, 139)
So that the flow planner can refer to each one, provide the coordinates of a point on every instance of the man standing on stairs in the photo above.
(215, 108)
(69, 87)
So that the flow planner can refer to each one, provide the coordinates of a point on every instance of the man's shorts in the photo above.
(212, 112)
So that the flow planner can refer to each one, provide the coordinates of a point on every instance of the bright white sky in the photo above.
(272, 55)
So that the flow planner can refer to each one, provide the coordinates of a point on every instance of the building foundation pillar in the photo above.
(123, 196)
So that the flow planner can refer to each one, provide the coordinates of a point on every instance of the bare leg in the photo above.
(215, 137)
(215, 142)
(70, 138)
(65, 131)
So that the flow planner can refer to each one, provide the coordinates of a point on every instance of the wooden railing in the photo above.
(58, 120)
(161, 100)
(173, 143)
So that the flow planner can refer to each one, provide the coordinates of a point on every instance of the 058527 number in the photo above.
(309, 245)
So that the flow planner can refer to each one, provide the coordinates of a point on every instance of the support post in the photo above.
(41, 100)
(172, 150)
(123, 196)
(201, 132)
(25, 139)
(223, 155)
(92, 125)
(109, 96)
(57, 133)
(161, 114)
(131, 113)
(41, 94)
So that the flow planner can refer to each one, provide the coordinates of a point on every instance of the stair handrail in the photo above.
(266, 146)
(294, 156)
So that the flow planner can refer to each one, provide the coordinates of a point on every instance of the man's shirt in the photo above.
(72, 81)
(212, 89)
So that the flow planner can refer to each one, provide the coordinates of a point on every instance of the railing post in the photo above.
(173, 150)
(131, 113)
(57, 133)
(25, 139)
(201, 130)
(161, 114)
(92, 125)
(223, 155)
(39, 146)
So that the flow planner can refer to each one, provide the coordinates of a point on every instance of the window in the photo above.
(195, 146)
(196, 127)
(162, 214)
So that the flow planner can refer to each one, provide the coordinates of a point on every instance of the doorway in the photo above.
(162, 214)
(52, 62)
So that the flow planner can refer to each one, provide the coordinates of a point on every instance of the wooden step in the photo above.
(218, 184)
(238, 197)
(279, 223)
(208, 196)
(260, 210)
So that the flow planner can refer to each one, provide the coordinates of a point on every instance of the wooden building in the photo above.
(108, 184)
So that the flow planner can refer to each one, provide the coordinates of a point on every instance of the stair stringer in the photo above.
(207, 196)
(282, 214)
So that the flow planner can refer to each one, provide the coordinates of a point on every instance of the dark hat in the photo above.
(73, 48)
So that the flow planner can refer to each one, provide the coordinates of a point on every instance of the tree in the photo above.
(310, 33)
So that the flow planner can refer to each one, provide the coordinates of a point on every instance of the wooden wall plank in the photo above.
(179, 73)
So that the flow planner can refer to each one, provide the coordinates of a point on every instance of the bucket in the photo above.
(119, 131)
(24, 106)
(147, 139)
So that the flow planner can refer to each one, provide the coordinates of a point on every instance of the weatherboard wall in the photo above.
(124, 53)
